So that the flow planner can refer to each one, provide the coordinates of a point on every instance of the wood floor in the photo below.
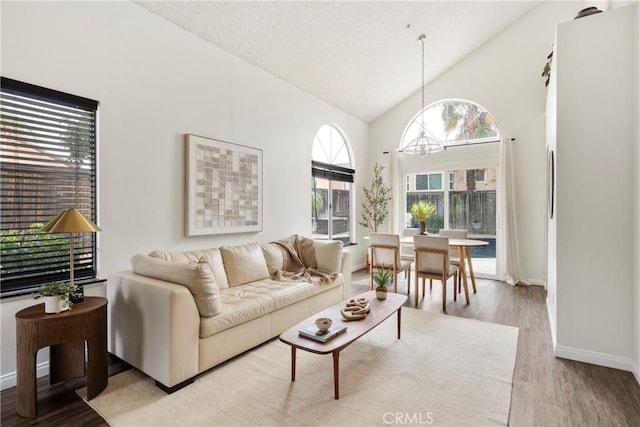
(546, 391)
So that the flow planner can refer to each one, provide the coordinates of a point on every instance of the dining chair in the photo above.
(432, 262)
(406, 251)
(454, 255)
(385, 253)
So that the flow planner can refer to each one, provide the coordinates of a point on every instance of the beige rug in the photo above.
(444, 371)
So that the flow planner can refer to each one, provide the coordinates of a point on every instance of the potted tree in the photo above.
(57, 296)
(375, 207)
(421, 211)
(381, 277)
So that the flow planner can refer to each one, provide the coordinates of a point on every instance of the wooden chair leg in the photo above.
(444, 296)
(395, 281)
(455, 294)
(430, 285)
(417, 288)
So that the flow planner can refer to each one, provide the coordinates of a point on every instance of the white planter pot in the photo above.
(54, 305)
(381, 294)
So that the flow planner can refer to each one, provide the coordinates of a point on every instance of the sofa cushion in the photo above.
(244, 263)
(246, 302)
(329, 255)
(273, 257)
(211, 256)
(197, 277)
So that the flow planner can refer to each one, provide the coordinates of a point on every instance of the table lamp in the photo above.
(70, 221)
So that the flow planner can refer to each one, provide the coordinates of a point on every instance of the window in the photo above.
(332, 179)
(48, 164)
(460, 185)
(429, 182)
(453, 122)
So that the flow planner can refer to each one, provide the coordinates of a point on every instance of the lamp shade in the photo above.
(69, 221)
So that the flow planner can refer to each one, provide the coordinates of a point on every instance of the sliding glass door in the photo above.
(464, 199)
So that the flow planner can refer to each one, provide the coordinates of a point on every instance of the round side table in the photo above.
(65, 333)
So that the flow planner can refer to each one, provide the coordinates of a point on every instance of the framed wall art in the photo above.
(223, 187)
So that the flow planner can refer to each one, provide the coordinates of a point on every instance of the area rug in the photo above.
(445, 370)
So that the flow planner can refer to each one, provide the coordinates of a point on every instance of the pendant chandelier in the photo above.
(425, 143)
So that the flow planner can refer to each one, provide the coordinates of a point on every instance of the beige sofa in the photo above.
(178, 314)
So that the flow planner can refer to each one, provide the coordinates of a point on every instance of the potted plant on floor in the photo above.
(421, 211)
(57, 296)
(375, 207)
(381, 277)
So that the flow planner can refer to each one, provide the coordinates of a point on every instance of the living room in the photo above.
(155, 82)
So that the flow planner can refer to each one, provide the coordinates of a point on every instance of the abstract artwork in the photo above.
(224, 187)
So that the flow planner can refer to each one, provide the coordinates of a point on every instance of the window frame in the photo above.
(335, 151)
(39, 150)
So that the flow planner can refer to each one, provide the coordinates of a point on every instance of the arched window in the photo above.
(453, 122)
(463, 188)
(332, 179)
(330, 147)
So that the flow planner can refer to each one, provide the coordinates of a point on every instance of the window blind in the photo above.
(331, 172)
(47, 164)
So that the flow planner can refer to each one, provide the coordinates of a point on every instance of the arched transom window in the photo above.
(453, 122)
(330, 147)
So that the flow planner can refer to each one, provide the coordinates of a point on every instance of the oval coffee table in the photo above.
(380, 311)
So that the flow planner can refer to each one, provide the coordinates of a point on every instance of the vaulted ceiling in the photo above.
(359, 56)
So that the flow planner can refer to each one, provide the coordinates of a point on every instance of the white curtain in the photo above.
(395, 191)
(508, 240)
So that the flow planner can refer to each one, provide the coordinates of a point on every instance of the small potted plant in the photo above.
(381, 277)
(421, 211)
(57, 296)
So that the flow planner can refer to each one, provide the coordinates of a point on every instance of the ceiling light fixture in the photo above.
(425, 143)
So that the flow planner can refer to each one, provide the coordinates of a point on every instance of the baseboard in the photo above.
(636, 371)
(358, 267)
(535, 281)
(594, 358)
(11, 379)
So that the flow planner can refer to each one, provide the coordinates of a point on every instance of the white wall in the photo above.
(636, 216)
(503, 75)
(155, 82)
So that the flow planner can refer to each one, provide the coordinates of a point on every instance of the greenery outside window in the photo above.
(47, 164)
(453, 122)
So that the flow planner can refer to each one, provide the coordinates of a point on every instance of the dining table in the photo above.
(463, 246)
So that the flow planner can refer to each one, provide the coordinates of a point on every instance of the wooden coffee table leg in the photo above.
(336, 374)
(399, 321)
(293, 363)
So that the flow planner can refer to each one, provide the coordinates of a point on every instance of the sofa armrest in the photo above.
(153, 325)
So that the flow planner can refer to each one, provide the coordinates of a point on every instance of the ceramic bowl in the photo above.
(323, 324)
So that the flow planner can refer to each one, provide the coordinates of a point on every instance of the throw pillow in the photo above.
(212, 256)
(197, 277)
(244, 263)
(329, 255)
